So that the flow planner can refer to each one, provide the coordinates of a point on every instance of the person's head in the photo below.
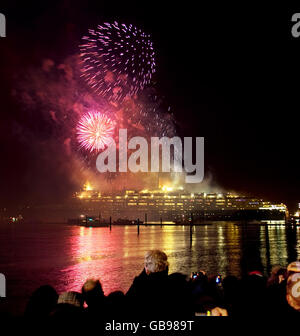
(253, 289)
(156, 261)
(199, 284)
(231, 288)
(293, 267)
(293, 291)
(116, 299)
(92, 292)
(251, 262)
(178, 278)
(116, 296)
(230, 283)
(116, 305)
(278, 274)
(178, 284)
(42, 301)
(71, 298)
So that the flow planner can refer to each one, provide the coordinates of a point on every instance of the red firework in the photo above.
(95, 131)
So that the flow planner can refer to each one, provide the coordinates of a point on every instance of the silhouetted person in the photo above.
(180, 299)
(149, 292)
(42, 302)
(293, 292)
(205, 294)
(252, 296)
(69, 306)
(93, 296)
(116, 305)
(231, 291)
(278, 274)
(276, 291)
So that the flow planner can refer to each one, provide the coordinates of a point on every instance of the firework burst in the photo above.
(117, 60)
(151, 114)
(95, 131)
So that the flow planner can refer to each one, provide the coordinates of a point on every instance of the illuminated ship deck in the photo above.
(171, 204)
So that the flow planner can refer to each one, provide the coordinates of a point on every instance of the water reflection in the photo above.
(65, 256)
(117, 256)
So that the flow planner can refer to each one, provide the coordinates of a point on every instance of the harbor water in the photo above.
(64, 256)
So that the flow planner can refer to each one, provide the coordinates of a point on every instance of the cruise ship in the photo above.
(174, 204)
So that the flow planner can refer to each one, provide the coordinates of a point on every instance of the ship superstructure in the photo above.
(175, 204)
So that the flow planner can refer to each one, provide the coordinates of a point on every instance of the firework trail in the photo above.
(95, 131)
(117, 60)
(150, 114)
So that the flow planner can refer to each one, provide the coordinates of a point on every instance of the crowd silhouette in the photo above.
(155, 293)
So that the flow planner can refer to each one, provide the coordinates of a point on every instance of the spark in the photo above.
(95, 131)
(117, 60)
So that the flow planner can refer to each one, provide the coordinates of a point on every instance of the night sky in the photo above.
(230, 74)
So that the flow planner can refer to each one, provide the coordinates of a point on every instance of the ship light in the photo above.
(88, 186)
(166, 188)
(280, 207)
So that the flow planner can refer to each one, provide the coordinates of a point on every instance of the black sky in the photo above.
(231, 74)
